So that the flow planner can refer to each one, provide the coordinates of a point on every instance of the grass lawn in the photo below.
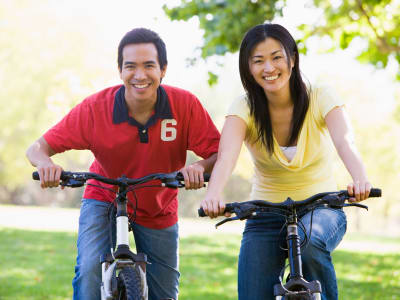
(40, 265)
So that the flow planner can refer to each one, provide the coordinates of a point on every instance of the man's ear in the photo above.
(163, 71)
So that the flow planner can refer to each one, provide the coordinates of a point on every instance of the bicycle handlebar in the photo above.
(77, 179)
(333, 199)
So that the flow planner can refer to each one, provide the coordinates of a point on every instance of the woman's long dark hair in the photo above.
(257, 98)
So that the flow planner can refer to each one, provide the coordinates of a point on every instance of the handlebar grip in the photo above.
(375, 193)
(229, 207)
(201, 212)
(206, 177)
(35, 175)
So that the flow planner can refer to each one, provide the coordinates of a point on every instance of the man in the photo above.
(135, 129)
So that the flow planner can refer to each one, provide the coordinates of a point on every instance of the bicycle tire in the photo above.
(129, 286)
(315, 296)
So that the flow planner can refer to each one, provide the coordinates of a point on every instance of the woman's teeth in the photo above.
(271, 77)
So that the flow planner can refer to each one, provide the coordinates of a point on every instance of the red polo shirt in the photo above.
(122, 146)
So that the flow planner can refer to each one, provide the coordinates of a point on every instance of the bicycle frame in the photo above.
(296, 285)
(112, 262)
(122, 260)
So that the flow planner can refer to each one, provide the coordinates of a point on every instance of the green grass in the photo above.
(40, 265)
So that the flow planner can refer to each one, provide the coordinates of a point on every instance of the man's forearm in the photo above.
(208, 163)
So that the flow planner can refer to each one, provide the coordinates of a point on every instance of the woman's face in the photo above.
(268, 64)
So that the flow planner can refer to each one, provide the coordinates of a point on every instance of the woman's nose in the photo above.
(268, 67)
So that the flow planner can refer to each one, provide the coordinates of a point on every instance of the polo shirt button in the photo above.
(144, 131)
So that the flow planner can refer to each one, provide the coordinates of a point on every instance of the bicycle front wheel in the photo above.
(316, 296)
(129, 285)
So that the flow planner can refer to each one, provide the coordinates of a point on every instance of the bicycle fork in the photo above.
(296, 285)
(114, 261)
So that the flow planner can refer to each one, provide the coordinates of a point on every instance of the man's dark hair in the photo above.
(141, 36)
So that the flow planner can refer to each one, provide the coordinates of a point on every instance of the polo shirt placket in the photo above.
(121, 112)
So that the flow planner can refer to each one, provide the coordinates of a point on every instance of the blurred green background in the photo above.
(54, 53)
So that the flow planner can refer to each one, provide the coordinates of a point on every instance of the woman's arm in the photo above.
(232, 137)
(339, 127)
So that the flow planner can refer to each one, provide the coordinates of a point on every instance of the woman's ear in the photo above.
(292, 61)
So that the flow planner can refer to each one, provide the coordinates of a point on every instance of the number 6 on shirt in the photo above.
(168, 133)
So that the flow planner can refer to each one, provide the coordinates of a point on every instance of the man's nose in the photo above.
(140, 74)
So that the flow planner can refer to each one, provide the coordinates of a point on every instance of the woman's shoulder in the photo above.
(323, 97)
(240, 107)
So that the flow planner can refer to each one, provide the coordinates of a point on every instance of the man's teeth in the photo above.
(140, 86)
(271, 77)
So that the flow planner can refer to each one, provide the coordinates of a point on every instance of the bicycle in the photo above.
(123, 272)
(296, 287)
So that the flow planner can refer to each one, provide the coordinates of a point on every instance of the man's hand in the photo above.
(39, 154)
(49, 174)
(193, 175)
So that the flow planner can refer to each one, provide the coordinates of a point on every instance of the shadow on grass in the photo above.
(40, 265)
(36, 265)
(209, 271)
(367, 275)
(208, 266)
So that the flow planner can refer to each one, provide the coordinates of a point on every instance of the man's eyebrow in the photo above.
(145, 63)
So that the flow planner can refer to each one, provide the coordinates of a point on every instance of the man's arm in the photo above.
(39, 154)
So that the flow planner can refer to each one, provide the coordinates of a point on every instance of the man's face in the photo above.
(141, 72)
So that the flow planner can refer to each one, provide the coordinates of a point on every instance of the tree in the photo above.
(225, 22)
(39, 84)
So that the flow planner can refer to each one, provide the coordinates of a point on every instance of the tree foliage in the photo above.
(225, 21)
(39, 85)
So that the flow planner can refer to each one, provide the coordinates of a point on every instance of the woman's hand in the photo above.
(214, 206)
(359, 190)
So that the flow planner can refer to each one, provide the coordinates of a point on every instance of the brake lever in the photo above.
(241, 213)
(356, 204)
(226, 220)
(334, 200)
(70, 182)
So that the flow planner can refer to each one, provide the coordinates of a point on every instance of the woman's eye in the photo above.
(277, 57)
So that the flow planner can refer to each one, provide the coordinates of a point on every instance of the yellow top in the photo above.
(310, 171)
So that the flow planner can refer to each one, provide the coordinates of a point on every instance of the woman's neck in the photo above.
(279, 100)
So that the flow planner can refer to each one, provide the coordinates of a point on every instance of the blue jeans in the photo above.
(261, 259)
(160, 245)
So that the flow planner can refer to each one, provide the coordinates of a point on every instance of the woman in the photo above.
(286, 127)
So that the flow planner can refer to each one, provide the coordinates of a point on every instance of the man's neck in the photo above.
(141, 110)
